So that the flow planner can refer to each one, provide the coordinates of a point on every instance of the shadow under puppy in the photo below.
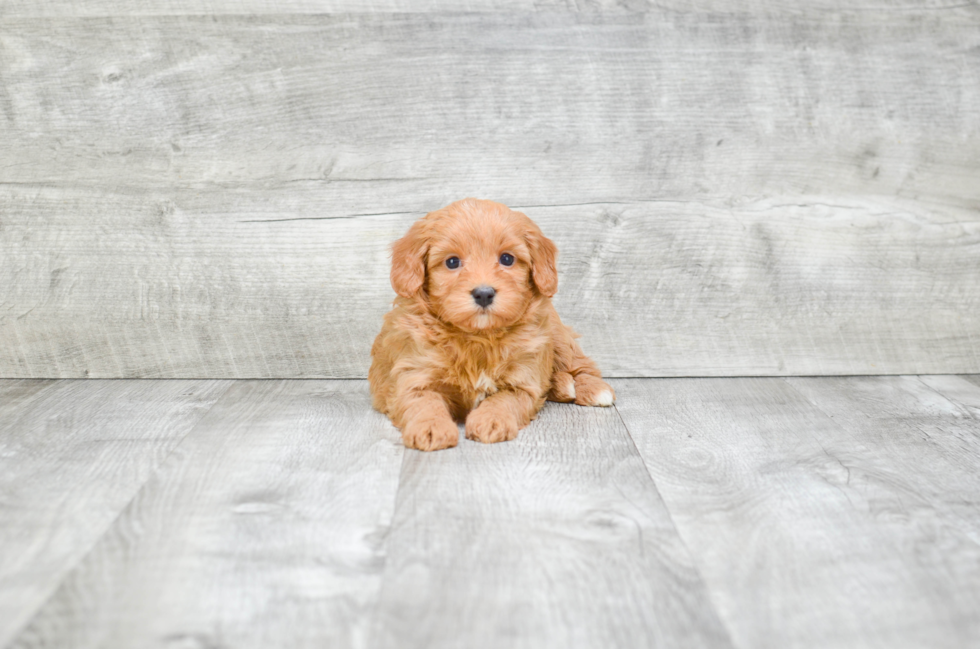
(473, 335)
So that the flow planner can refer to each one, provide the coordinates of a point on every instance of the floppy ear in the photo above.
(544, 254)
(408, 261)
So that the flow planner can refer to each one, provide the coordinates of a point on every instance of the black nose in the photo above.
(483, 295)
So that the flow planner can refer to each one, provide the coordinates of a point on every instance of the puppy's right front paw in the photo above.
(430, 434)
(489, 426)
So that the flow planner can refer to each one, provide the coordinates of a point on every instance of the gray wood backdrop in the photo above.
(208, 189)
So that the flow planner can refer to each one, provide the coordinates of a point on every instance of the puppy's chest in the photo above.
(477, 377)
(476, 369)
(476, 374)
(482, 388)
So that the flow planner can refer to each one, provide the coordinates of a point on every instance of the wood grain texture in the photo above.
(927, 428)
(105, 8)
(16, 394)
(784, 513)
(97, 8)
(961, 390)
(176, 285)
(72, 456)
(758, 192)
(557, 539)
(975, 379)
(546, 108)
(820, 512)
(264, 529)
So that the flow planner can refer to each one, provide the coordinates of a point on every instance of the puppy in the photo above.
(473, 335)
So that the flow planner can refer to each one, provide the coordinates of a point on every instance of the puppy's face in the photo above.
(478, 263)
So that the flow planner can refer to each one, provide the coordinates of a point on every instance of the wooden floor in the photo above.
(756, 512)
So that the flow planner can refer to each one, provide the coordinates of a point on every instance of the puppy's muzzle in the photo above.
(483, 295)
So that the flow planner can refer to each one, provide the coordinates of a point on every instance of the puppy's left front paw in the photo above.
(487, 426)
(593, 391)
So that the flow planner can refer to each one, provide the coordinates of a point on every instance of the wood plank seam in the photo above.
(677, 530)
(952, 400)
(847, 516)
(374, 617)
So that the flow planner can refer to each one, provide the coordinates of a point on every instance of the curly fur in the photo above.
(441, 358)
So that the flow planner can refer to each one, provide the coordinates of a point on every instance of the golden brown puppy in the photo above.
(473, 336)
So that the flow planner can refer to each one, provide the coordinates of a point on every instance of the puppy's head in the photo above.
(478, 262)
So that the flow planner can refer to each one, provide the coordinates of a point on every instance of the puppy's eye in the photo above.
(507, 259)
(452, 263)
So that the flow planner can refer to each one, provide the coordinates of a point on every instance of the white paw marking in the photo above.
(604, 398)
(571, 389)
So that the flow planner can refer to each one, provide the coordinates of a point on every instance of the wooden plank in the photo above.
(924, 434)
(209, 284)
(71, 457)
(813, 530)
(961, 390)
(531, 108)
(975, 379)
(794, 196)
(557, 539)
(113, 8)
(16, 394)
(265, 529)
(62, 8)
